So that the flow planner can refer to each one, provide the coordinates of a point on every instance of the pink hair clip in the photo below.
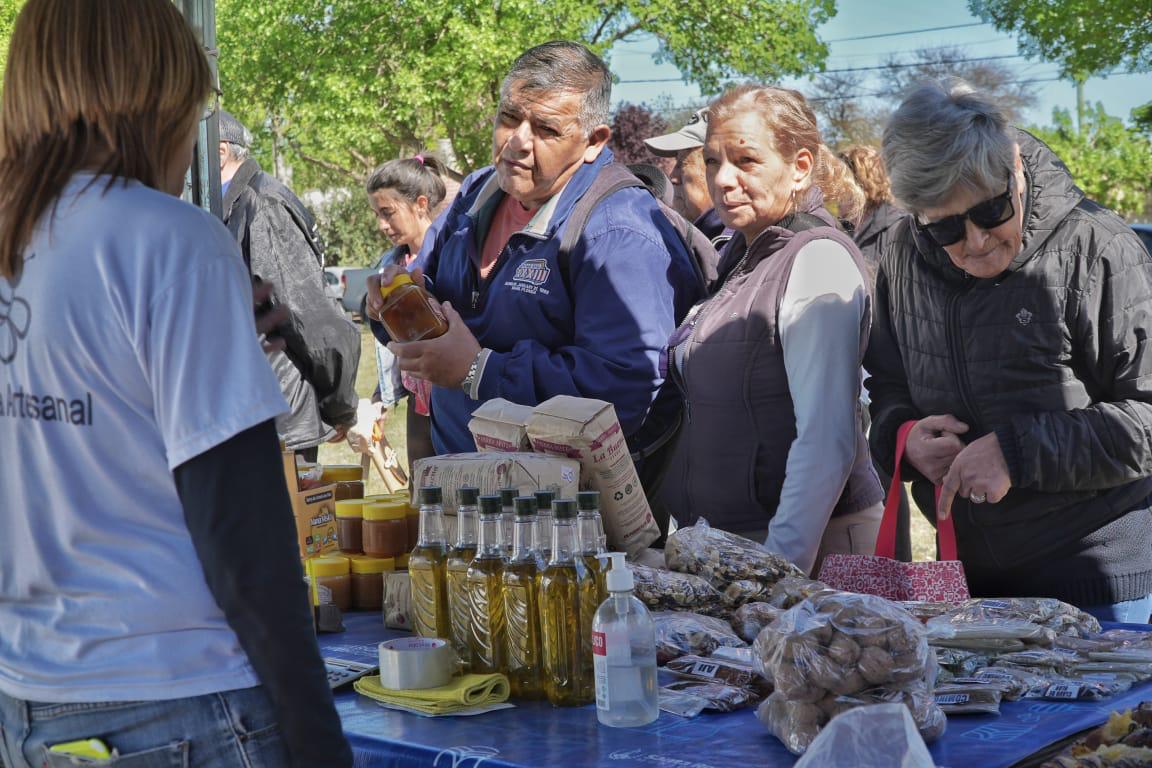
(419, 158)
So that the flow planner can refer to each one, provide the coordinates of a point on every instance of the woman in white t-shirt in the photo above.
(151, 597)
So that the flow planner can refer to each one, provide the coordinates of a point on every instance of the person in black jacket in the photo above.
(1012, 318)
(280, 244)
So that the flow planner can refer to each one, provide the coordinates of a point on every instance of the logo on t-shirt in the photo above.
(530, 276)
(15, 316)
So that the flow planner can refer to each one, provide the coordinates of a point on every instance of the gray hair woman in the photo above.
(1011, 318)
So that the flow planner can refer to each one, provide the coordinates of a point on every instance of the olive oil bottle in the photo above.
(507, 518)
(590, 569)
(485, 580)
(543, 534)
(560, 614)
(522, 607)
(427, 569)
(459, 558)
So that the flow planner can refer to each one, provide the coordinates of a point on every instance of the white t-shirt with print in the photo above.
(127, 348)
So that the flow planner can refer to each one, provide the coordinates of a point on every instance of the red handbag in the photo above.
(882, 575)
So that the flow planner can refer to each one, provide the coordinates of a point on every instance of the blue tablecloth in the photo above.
(535, 734)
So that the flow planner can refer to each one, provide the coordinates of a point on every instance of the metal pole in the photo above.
(204, 174)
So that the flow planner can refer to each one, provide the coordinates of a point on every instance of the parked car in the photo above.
(355, 283)
(333, 288)
(1145, 232)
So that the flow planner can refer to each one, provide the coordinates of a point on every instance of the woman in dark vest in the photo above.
(1012, 324)
(769, 365)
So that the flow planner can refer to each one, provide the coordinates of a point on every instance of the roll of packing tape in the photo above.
(412, 663)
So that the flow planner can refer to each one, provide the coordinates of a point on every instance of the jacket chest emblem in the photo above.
(1024, 317)
(530, 276)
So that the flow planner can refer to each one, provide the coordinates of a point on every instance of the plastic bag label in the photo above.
(1062, 691)
(953, 698)
(704, 669)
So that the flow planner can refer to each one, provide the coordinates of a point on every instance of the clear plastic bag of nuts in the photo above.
(837, 650)
(723, 558)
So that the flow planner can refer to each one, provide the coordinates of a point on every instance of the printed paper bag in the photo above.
(882, 575)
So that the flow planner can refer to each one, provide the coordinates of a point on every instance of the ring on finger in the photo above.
(977, 498)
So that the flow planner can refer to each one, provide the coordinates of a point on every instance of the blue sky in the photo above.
(854, 18)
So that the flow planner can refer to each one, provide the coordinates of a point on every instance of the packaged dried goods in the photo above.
(926, 609)
(959, 662)
(751, 618)
(716, 696)
(794, 589)
(722, 557)
(663, 590)
(798, 723)
(717, 670)
(1019, 683)
(1048, 612)
(968, 699)
(1125, 741)
(1037, 657)
(835, 651)
(686, 634)
(948, 627)
(744, 591)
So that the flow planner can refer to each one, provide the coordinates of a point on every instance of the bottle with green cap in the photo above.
(522, 607)
(564, 668)
(508, 517)
(624, 643)
(543, 528)
(427, 569)
(459, 558)
(485, 579)
(590, 541)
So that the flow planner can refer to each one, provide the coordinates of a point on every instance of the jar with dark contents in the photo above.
(386, 529)
(368, 581)
(350, 525)
(410, 313)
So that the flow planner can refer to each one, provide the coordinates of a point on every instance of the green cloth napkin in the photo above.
(462, 693)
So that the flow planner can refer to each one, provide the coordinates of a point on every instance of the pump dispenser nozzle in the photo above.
(619, 579)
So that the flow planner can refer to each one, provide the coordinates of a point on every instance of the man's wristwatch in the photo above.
(470, 378)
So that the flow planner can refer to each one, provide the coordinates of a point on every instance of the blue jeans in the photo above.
(1129, 612)
(233, 728)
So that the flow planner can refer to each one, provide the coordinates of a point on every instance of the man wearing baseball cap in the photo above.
(690, 189)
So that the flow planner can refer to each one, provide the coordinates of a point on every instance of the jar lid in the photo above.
(342, 473)
(467, 496)
(525, 506)
(351, 507)
(385, 510)
(588, 500)
(544, 500)
(431, 494)
(402, 561)
(365, 564)
(327, 565)
(491, 505)
(398, 280)
(564, 508)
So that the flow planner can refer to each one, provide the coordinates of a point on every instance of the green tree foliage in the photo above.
(336, 86)
(1111, 163)
(9, 9)
(1085, 36)
(349, 229)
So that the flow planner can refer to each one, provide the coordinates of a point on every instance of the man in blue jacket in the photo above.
(518, 328)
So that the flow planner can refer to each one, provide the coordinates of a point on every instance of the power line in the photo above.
(966, 60)
(907, 32)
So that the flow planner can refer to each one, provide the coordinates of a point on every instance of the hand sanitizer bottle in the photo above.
(624, 653)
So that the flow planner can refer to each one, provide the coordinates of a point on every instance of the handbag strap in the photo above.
(886, 537)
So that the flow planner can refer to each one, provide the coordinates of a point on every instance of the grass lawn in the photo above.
(394, 426)
(923, 536)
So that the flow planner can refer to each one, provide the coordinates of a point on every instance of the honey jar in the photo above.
(410, 313)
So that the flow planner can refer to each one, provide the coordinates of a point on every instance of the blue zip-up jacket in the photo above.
(631, 280)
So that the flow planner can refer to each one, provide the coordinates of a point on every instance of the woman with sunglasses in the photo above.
(1012, 317)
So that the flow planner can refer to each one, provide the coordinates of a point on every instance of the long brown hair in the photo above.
(117, 82)
(867, 166)
(793, 125)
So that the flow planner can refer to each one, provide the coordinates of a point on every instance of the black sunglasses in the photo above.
(988, 214)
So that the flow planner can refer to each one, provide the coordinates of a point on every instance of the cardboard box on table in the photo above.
(314, 510)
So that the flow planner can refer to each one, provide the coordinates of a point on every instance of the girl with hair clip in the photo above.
(154, 610)
(406, 195)
(769, 365)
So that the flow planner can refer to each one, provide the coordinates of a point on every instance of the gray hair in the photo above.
(239, 152)
(565, 67)
(946, 137)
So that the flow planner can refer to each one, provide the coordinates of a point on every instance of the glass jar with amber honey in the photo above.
(410, 313)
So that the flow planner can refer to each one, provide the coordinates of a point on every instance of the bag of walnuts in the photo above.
(722, 557)
(836, 651)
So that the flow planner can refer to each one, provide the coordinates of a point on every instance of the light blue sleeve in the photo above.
(820, 333)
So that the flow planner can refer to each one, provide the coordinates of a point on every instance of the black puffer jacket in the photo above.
(873, 233)
(317, 371)
(1053, 356)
